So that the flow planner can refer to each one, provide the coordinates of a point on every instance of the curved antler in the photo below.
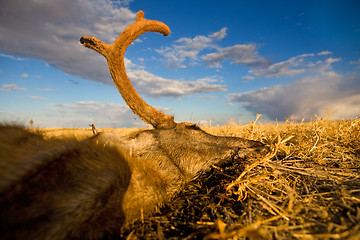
(114, 53)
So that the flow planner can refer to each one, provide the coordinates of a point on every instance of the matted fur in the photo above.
(63, 189)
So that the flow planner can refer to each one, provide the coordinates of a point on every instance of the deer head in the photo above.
(178, 149)
(60, 189)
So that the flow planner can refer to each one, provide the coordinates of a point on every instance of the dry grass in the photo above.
(83, 133)
(307, 187)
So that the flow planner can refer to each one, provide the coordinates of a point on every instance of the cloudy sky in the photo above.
(224, 61)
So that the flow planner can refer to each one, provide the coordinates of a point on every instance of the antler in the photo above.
(114, 53)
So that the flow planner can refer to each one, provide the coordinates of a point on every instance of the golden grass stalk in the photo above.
(307, 187)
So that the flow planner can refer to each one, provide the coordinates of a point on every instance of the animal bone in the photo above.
(61, 189)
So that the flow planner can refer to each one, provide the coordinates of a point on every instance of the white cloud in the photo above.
(248, 77)
(45, 89)
(130, 65)
(324, 53)
(11, 57)
(121, 3)
(155, 86)
(185, 51)
(219, 35)
(37, 98)
(24, 75)
(304, 63)
(210, 97)
(241, 54)
(50, 30)
(7, 112)
(107, 114)
(356, 62)
(306, 97)
(11, 87)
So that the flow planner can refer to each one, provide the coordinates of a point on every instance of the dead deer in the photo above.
(57, 189)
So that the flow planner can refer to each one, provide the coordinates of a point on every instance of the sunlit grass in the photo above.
(307, 187)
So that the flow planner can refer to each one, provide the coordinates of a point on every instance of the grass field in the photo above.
(307, 187)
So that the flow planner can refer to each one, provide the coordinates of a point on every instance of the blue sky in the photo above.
(224, 61)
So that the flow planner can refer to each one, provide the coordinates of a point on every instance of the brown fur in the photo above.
(65, 189)
(56, 189)
(59, 189)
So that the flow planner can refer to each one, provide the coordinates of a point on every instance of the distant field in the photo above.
(308, 187)
(83, 133)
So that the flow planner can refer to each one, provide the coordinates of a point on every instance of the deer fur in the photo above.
(69, 189)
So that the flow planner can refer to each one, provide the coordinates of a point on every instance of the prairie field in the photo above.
(306, 187)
